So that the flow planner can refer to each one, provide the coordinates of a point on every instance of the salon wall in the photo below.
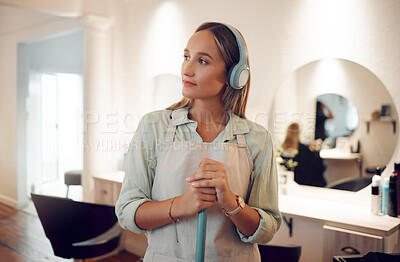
(28, 25)
(25, 22)
(282, 36)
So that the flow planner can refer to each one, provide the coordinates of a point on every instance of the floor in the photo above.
(22, 239)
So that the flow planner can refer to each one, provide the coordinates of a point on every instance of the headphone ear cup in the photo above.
(238, 76)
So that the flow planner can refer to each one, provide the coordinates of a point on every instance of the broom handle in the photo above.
(201, 235)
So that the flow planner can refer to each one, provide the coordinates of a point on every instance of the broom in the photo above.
(201, 235)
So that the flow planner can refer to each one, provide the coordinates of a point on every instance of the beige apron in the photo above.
(177, 242)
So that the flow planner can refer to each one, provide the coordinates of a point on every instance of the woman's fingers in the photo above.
(211, 166)
(203, 198)
(208, 190)
(208, 198)
(208, 169)
(211, 181)
(204, 205)
(206, 174)
(206, 183)
(208, 161)
(200, 175)
(212, 174)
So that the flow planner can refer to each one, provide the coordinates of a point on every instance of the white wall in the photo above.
(29, 25)
(58, 53)
(282, 35)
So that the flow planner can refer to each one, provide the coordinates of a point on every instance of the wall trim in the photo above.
(8, 201)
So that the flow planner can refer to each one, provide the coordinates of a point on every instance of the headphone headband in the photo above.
(238, 75)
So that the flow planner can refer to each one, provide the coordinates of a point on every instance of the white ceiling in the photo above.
(15, 18)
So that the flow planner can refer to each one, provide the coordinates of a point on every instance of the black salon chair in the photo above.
(75, 229)
(273, 253)
(351, 184)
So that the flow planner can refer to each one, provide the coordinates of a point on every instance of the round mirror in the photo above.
(361, 132)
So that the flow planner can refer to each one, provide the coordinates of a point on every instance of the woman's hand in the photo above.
(207, 185)
(212, 175)
(193, 201)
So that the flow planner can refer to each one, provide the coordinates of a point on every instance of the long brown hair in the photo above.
(292, 137)
(233, 99)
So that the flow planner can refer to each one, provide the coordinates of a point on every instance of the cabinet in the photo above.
(305, 232)
(107, 187)
(106, 192)
(337, 240)
(335, 219)
(321, 239)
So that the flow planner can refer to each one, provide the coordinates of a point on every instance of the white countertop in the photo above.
(350, 210)
(338, 154)
(115, 176)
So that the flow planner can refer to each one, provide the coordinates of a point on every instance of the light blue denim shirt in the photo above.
(141, 161)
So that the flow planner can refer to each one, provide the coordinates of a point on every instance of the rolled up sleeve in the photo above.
(139, 168)
(263, 189)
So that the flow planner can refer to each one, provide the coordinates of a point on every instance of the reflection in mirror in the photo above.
(303, 160)
(374, 139)
(336, 116)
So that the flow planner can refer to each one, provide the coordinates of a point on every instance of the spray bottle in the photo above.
(397, 171)
(385, 197)
(376, 194)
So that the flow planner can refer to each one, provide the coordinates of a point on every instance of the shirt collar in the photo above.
(236, 125)
(180, 116)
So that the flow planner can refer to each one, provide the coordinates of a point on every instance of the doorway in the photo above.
(50, 71)
(54, 130)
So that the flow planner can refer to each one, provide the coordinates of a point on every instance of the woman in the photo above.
(309, 169)
(202, 153)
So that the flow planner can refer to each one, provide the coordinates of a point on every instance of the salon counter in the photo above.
(323, 221)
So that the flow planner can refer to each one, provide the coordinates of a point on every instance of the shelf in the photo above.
(388, 120)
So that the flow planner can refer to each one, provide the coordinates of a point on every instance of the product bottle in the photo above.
(393, 195)
(378, 171)
(397, 171)
(376, 195)
(385, 196)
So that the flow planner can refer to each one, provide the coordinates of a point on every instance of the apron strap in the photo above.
(241, 139)
(170, 133)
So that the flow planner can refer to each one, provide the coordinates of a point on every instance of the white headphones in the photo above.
(239, 73)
